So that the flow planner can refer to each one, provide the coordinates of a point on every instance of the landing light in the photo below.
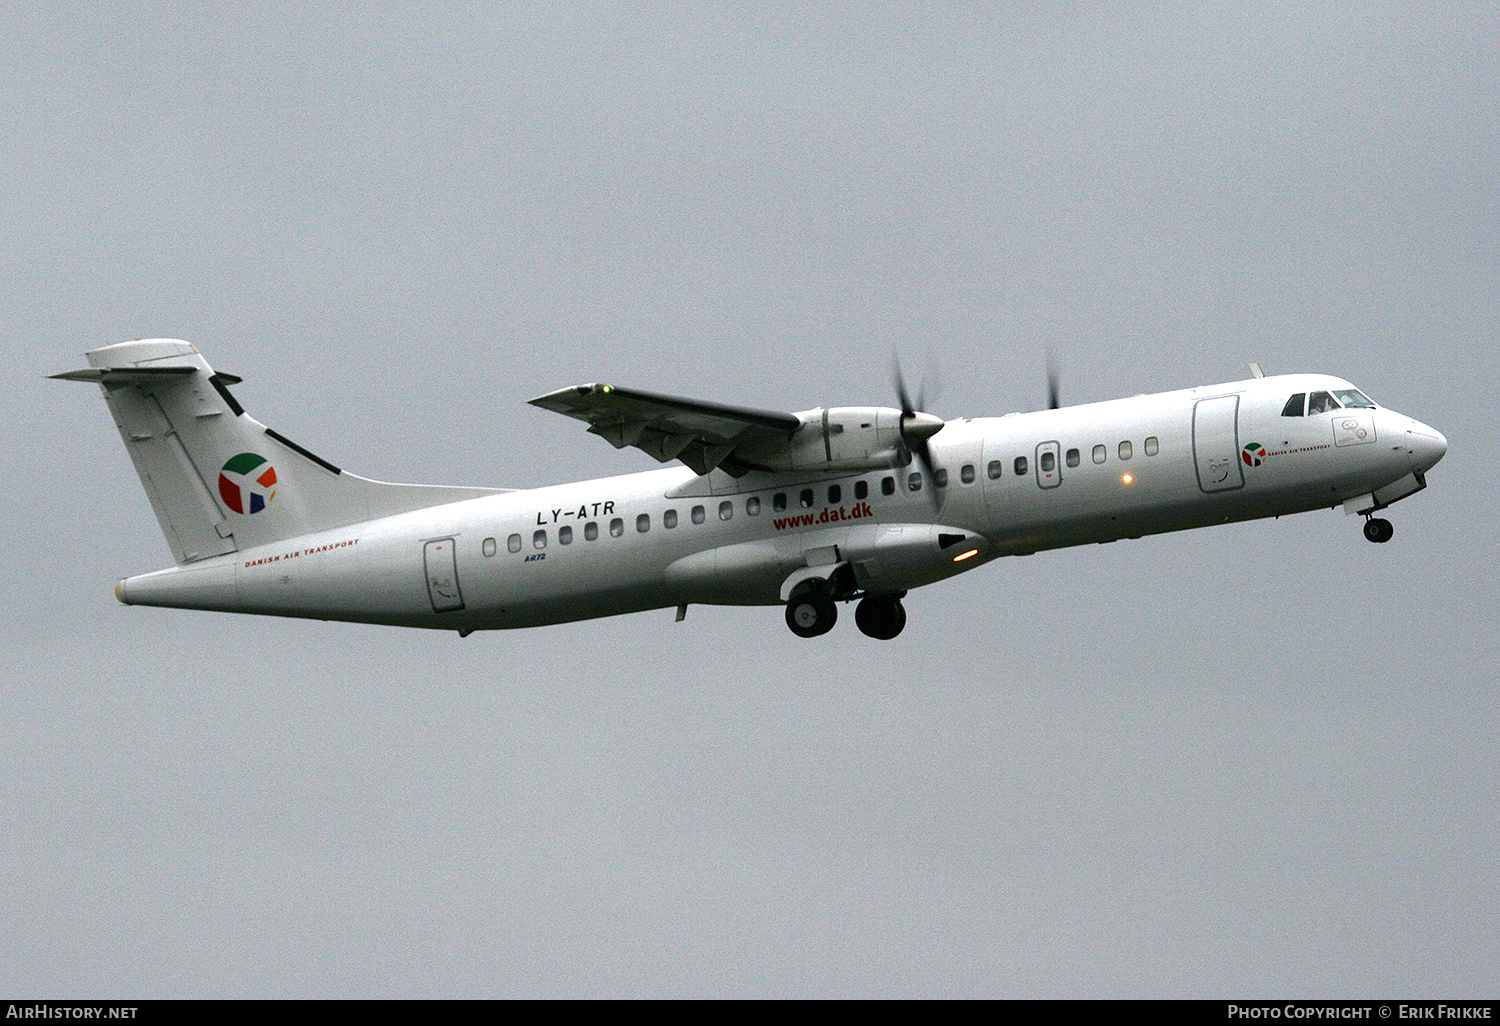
(1126, 478)
(965, 555)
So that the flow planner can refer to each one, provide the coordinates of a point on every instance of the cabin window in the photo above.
(1049, 462)
(966, 473)
(1021, 466)
(591, 531)
(752, 506)
(1320, 402)
(995, 469)
(861, 489)
(513, 543)
(698, 515)
(565, 535)
(778, 502)
(1293, 407)
(940, 477)
(1074, 457)
(1101, 453)
(1151, 446)
(617, 528)
(887, 486)
(726, 510)
(1126, 450)
(669, 519)
(643, 523)
(805, 498)
(488, 546)
(539, 540)
(914, 482)
(835, 495)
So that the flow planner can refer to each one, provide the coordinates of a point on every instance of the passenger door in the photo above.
(439, 559)
(1216, 443)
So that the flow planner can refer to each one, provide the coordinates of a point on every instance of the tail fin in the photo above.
(218, 480)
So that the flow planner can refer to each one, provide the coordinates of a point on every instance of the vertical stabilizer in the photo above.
(219, 480)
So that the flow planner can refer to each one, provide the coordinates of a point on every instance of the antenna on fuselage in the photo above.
(1255, 369)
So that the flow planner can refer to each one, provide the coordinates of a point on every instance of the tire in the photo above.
(1378, 530)
(811, 615)
(880, 616)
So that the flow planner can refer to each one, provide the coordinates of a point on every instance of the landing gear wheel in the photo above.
(811, 615)
(1378, 530)
(880, 616)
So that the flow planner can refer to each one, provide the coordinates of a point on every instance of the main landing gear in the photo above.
(1378, 530)
(811, 613)
(880, 616)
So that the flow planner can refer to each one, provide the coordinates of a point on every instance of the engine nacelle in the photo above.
(843, 438)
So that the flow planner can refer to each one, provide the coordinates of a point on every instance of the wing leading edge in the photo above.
(700, 434)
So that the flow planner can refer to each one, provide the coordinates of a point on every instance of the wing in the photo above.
(702, 435)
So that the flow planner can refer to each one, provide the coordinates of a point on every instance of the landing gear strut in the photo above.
(880, 616)
(1378, 530)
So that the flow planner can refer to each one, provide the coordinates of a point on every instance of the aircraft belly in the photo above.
(538, 612)
(884, 558)
(746, 574)
(566, 583)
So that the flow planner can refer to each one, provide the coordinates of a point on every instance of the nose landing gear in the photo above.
(1378, 530)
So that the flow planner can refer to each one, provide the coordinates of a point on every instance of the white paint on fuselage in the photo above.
(374, 572)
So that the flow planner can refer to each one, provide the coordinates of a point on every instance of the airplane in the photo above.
(803, 510)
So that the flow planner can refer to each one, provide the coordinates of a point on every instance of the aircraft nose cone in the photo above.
(1425, 446)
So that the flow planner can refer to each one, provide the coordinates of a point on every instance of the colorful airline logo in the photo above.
(247, 483)
(1254, 454)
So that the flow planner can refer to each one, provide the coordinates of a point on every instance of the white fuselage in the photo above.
(669, 537)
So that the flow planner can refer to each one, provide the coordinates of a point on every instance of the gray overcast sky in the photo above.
(1251, 761)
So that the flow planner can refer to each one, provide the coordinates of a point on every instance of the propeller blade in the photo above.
(899, 380)
(916, 428)
(1053, 391)
(924, 456)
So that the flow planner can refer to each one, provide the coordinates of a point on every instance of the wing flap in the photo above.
(129, 375)
(700, 434)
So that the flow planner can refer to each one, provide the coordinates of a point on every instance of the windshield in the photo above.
(1353, 398)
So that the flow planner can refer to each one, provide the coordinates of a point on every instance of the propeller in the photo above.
(916, 427)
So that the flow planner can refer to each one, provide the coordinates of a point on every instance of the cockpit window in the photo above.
(1320, 402)
(1353, 398)
(1293, 407)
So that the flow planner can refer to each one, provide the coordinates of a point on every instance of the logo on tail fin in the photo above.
(247, 483)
